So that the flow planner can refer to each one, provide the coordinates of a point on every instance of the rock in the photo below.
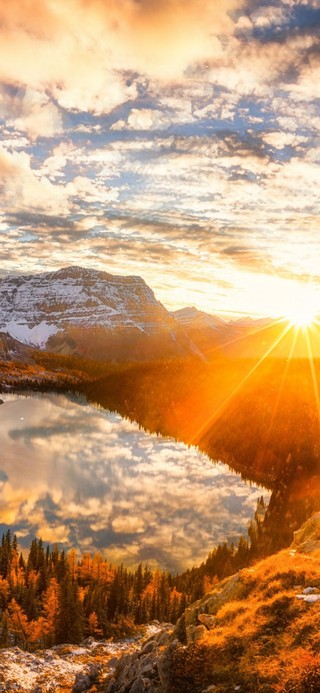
(195, 633)
(309, 598)
(208, 621)
(149, 646)
(307, 538)
(164, 665)
(140, 685)
(148, 670)
(163, 638)
(1, 401)
(87, 642)
(113, 662)
(310, 590)
(84, 682)
(111, 686)
(210, 689)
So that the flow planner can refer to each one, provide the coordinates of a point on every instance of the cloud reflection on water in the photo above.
(81, 476)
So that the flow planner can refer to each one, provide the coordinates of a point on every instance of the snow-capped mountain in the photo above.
(89, 313)
(35, 308)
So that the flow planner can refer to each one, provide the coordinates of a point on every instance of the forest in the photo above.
(51, 596)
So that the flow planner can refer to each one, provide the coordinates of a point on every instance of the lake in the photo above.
(84, 477)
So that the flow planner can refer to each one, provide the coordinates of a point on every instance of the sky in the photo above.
(178, 140)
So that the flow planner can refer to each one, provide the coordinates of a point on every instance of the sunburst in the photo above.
(303, 308)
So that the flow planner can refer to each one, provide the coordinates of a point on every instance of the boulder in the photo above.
(208, 621)
(85, 681)
(140, 685)
(195, 633)
(307, 538)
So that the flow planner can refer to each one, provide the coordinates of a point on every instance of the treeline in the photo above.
(250, 415)
(52, 597)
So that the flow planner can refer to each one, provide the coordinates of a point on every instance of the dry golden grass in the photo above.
(266, 642)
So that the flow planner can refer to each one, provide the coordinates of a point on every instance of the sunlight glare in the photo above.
(304, 307)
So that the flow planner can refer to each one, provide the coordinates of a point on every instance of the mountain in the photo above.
(89, 312)
(98, 315)
(246, 337)
(191, 317)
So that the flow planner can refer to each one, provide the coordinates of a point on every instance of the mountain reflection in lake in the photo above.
(84, 477)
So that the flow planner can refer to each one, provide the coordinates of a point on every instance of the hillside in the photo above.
(256, 631)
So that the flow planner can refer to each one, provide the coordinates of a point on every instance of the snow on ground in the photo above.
(55, 669)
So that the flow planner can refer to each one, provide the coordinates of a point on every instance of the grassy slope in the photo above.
(261, 637)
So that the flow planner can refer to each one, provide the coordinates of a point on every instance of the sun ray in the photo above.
(313, 373)
(197, 436)
(244, 337)
(282, 384)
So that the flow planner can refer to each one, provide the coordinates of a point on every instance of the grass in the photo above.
(267, 641)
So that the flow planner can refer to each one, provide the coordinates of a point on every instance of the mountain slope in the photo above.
(256, 632)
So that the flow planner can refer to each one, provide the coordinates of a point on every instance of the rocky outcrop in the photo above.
(199, 617)
(307, 538)
(147, 669)
(151, 669)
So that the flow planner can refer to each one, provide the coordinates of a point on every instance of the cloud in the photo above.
(31, 112)
(279, 139)
(21, 188)
(179, 138)
(162, 38)
(80, 50)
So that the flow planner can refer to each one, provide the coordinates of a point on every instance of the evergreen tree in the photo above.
(70, 612)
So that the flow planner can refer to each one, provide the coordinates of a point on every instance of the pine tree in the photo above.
(51, 612)
(70, 612)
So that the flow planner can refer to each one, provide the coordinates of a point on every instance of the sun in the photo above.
(304, 308)
(302, 317)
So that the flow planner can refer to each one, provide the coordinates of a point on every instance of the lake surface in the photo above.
(84, 477)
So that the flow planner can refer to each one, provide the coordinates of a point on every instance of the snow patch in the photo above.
(34, 336)
(309, 598)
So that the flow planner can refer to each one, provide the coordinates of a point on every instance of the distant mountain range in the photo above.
(100, 315)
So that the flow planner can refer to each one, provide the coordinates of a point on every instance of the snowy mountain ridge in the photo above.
(33, 308)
